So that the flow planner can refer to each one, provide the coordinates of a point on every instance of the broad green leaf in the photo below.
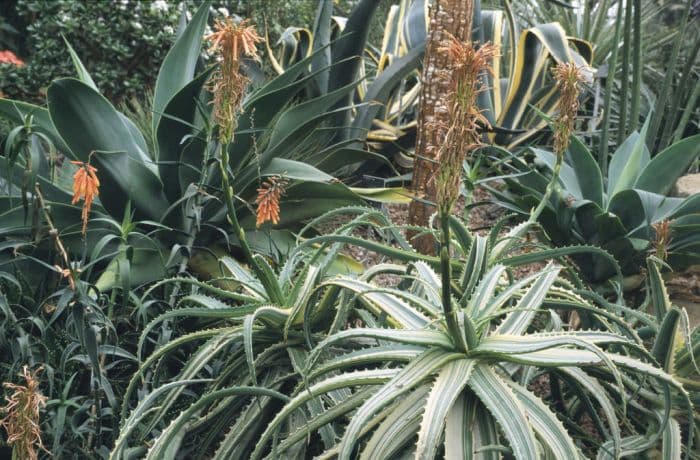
(384, 195)
(590, 179)
(180, 63)
(295, 170)
(627, 163)
(88, 123)
(173, 151)
(82, 72)
(662, 172)
(321, 57)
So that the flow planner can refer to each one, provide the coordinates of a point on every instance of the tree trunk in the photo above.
(454, 17)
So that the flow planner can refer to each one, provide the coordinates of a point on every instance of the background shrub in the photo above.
(121, 42)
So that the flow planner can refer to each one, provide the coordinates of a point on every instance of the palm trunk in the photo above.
(454, 17)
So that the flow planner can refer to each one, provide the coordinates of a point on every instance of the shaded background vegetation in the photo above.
(121, 41)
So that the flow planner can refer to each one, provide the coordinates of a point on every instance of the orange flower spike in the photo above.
(268, 200)
(85, 186)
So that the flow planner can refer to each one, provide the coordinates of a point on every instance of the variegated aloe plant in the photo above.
(517, 378)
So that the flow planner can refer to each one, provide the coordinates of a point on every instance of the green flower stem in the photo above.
(535, 213)
(551, 186)
(272, 291)
(446, 273)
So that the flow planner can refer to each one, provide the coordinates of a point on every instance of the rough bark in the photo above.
(454, 17)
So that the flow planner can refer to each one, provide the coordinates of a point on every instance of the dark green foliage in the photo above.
(616, 209)
(121, 42)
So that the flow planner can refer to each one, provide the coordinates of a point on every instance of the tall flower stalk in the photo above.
(232, 42)
(568, 78)
(468, 63)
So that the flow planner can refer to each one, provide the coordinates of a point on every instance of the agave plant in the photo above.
(171, 185)
(618, 214)
(518, 82)
(649, 48)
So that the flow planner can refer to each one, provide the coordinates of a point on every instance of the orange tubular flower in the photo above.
(86, 186)
(268, 200)
(230, 42)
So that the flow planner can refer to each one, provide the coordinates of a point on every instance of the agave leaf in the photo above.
(88, 123)
(627, 163)
(414, 26)
(146, 264)
(172, 149)
(662, 172)
(180, 63)
(382, 87)
(83, 73)
(321, 41)
(384, 194)
(350, 44)
(588, 174)
(295, 170)
(296, 122)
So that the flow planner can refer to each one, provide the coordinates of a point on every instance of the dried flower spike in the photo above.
(663, 238)
(467, 65)
(268, 200)
(85, 186)
(21, 416)
(230, 42)
(568, 77)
